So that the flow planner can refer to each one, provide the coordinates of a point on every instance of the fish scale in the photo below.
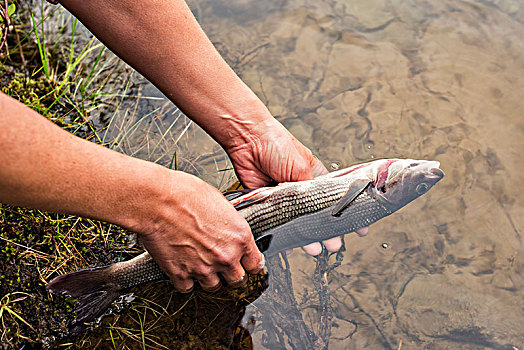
(140, 269)
(274, 214)
(285, 206)
(261, 217)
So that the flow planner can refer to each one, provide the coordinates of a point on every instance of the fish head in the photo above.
(399, 181)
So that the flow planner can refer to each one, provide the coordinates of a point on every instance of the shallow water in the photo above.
(356, 80)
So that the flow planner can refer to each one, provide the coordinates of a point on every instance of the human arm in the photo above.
(164, 42)
(187, 225)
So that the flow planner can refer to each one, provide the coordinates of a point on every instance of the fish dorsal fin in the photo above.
(353, 191)
(230, 195)
(249, 197)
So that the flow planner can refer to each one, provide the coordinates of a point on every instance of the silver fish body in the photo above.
(282, 217)
(321, 224)
(295, 214)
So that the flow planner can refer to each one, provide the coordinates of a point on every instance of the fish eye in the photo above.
(422, 188)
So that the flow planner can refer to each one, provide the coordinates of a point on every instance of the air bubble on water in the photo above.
(369, 146)
(384, 245)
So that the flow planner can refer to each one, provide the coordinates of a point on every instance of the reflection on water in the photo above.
(356, 80)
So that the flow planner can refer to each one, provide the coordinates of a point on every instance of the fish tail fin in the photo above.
(94, 291)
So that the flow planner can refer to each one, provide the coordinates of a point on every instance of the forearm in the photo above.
(163, 41)
(45, 167)
(187, 226)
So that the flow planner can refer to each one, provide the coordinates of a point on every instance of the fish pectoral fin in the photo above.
(353, 191)
(263, 242)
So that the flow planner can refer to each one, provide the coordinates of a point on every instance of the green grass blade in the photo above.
(41, 48)
(24, 38)
(18, 317)
(90, 75)
(164, 136)
(173, 159)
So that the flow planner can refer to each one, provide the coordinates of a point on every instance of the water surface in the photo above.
(357, 80)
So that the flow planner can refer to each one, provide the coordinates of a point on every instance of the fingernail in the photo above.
(261, 264)
(239, 283)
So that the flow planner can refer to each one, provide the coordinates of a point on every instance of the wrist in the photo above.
(160, 195)
(246, 131)
(140, 212)
(240, 126)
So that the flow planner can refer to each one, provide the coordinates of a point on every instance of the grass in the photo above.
(53, 66)
(6, 305)
(36, 246)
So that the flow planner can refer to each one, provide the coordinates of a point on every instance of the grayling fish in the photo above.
(286, 216)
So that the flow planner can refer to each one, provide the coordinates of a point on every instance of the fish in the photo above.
(289, 215)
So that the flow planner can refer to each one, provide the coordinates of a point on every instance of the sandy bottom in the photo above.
(357, 80)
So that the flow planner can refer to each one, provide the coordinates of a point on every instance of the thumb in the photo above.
(317, 167)
(253, 260)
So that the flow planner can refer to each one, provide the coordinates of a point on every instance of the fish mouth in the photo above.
(435, 173)
(431, 170)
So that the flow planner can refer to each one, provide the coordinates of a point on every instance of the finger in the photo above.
(251, 178)
(333, 244)
(317, 167)
(241, 282)
(253, 260)
(313, 248)
(362, 231)
(210, 283)
(288, 251)
(183, 285)
(235, 277)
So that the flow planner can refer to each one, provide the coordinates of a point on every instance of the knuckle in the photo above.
(204, 272)
(180, 274)
(224, 259)
(245, 236)
(243, 227)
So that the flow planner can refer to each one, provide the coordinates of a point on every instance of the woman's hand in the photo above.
(272, 153)
(196, 234)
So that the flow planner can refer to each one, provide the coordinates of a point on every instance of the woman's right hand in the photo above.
(196, 234)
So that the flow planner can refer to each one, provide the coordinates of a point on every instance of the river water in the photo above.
(357, 80)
